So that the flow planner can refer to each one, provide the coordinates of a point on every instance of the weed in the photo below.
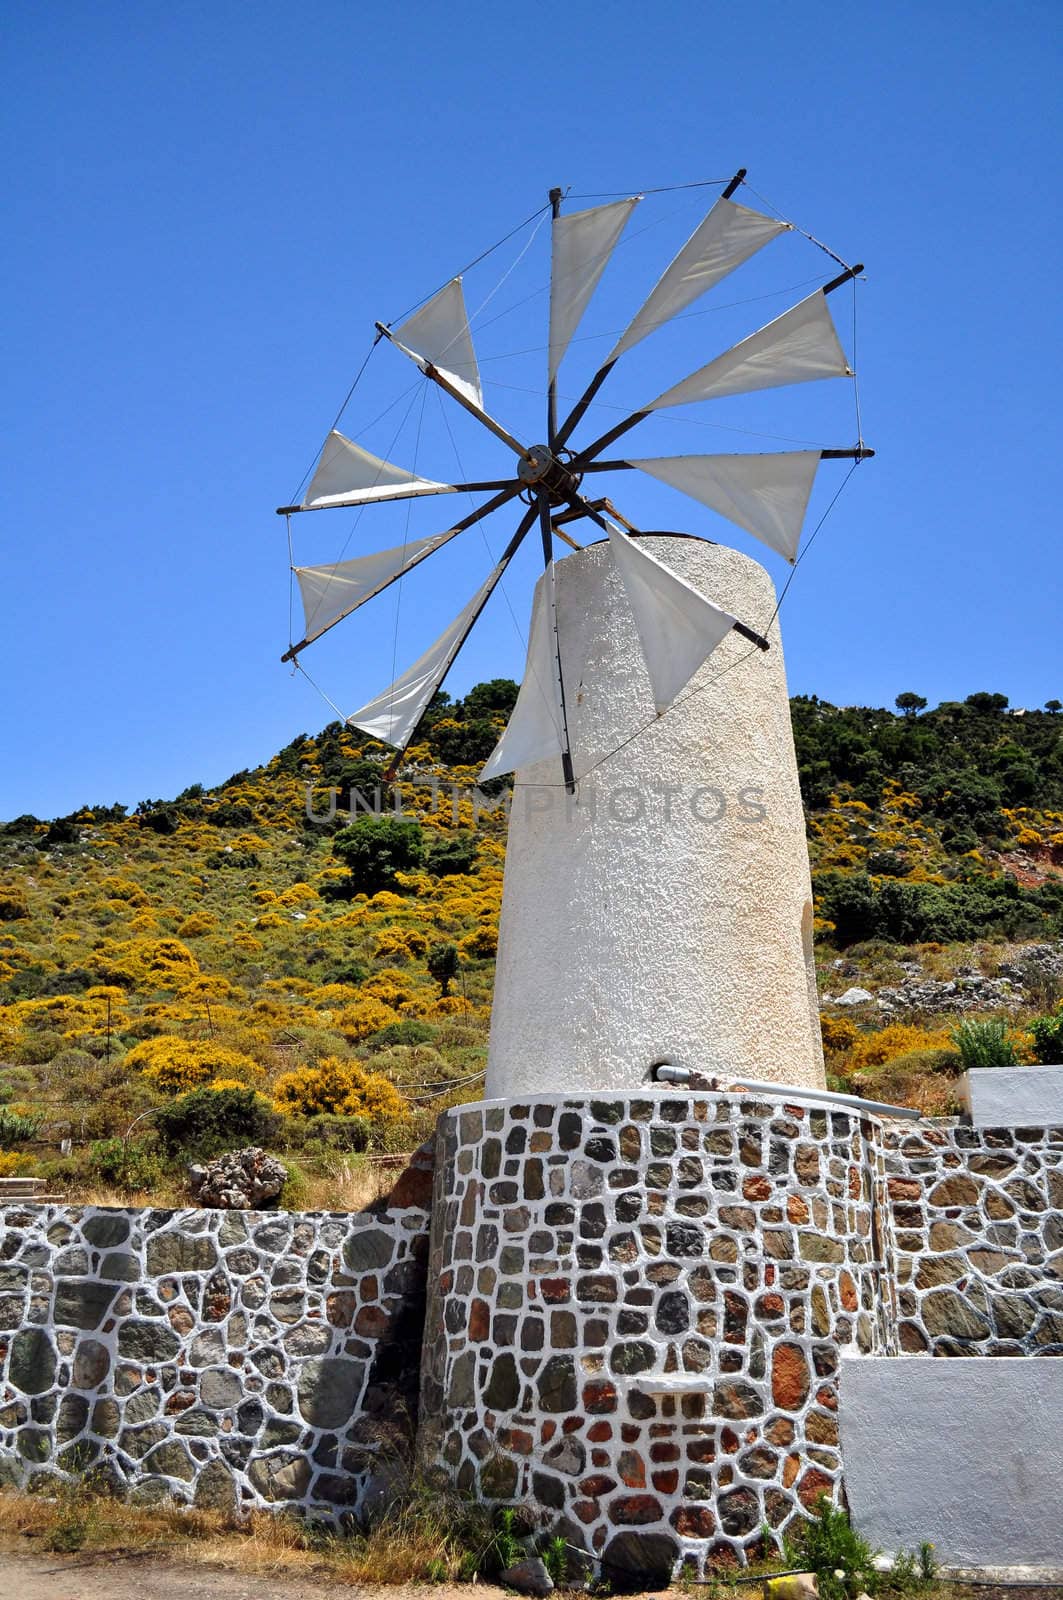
(843, 1561)
(555, 1559)
(984, 1044)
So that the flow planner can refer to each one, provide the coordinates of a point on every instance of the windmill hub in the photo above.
(540, 468)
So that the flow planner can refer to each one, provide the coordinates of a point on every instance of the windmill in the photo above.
(766, 495)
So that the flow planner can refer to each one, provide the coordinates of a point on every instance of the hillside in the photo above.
(222, 967)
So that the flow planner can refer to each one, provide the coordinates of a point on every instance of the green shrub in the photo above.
(374, 849)
(451, 854)
(205, 1122)
(442, 963)
(409, 1031)
(827, 1545)
(34, 1049)
(130, 1164)
(16, 1128)
(328, 1135)
(984, 1044)
(16, 1083)
(1047, 1033)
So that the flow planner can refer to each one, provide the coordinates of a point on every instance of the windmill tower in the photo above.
(657, 903)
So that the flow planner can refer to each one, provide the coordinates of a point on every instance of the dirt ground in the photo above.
(45, 1576)
(144, 1577)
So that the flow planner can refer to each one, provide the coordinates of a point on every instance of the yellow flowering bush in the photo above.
(366, 1016)
(339, 1088)
(898, 1039)
(177, 1065)
(839, 1033)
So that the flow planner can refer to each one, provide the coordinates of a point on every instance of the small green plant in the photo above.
(131, 1165)
(507, 1549)
(17, 1128)
(555, 1559)
(984, 1044)
(843, 1561)
(1047, 1034)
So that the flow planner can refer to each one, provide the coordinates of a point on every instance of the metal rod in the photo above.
(459, 527)
(454, 392)
(503, 562)
(860, 452)
(405, 494)
(826, 1097)
(551, 392)
(567, 769)
(843, 277)
(735, 183)
(585, 455)
(581, 405)
(754, 638)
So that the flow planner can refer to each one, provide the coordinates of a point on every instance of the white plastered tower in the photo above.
(665, 910)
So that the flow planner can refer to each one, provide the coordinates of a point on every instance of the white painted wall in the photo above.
(1014, 1097)
(966, 1452)
(668, 908)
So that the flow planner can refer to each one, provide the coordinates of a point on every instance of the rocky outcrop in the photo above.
(241, 1180)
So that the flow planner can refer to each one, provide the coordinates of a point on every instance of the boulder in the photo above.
(242, 1180)
(528, 1577)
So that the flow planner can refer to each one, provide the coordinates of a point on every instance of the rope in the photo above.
(798, 229)
(339, 414)
(856, 375)
(297, 666)
(291, 581)
(666, 188)
(475, 262)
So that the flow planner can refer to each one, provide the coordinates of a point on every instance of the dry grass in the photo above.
(423, 1537)
(345, 1183)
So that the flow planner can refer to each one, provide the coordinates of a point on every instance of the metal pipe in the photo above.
(669, 1071)
(826, 1097)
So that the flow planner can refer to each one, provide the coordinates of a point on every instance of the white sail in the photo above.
(677, 627)
(534, 731)
(439, 334)
(729, 235)
(347, 475)
(797, 347)
(767, 495)
(582, 243)
(393, 715)
(330, 593)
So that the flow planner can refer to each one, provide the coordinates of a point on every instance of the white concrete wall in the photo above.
(668, 908)
(966, 1452)
(1014, 1097)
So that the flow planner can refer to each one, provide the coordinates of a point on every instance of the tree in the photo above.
(1054, 706)
(987, 703)
(910, 703)
(374, 849)
(443, 965)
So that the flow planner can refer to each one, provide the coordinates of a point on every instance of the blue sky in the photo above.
(208, 205)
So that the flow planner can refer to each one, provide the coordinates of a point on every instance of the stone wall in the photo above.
(226, 1358)
(637, 1310)
(638, 1304)
(976, 1238)
(594, 1259)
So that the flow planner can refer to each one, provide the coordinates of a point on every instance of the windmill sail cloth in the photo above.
(729, 235)
(677, 627)
(347, 475)
(535, 730)
(393, 715)
(582, 243)
(439, 335)
(797, 347)
(332, 592)
(767, 495)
